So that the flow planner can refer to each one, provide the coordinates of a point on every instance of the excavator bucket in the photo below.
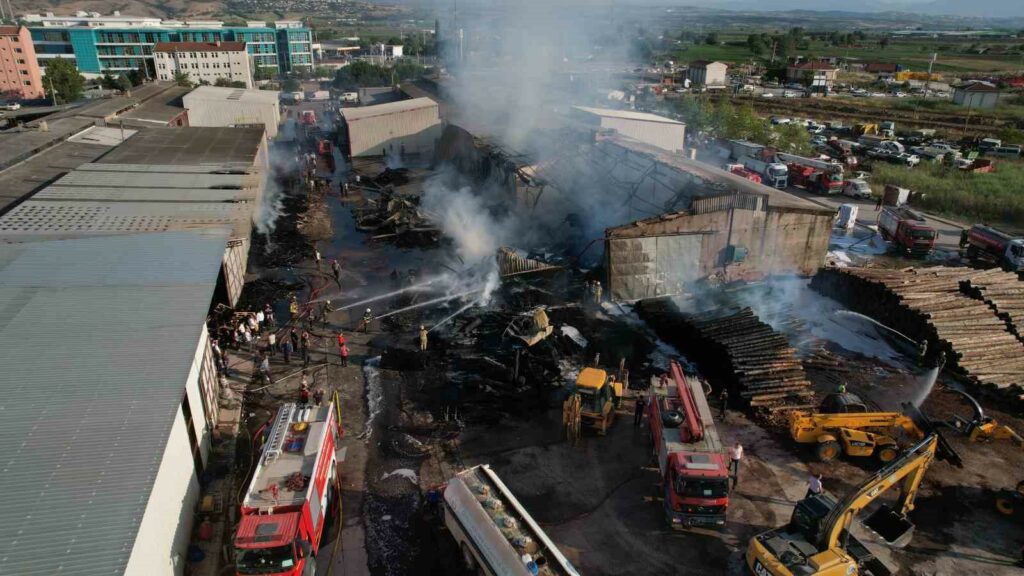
(894, 528)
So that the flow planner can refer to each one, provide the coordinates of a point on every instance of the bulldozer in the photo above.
(843, 425)
(597, 397)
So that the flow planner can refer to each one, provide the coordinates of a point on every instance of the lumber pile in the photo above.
(1004, 294)
(928, 303)
(736, 350)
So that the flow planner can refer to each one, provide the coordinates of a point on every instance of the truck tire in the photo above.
(887, 453)
(1005, 505)
(828, 451)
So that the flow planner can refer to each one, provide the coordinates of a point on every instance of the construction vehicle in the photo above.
(907, 231)
(817, 541)
(773, 174)
(986, 242)
(861, 129)
(844, 426)
(822, 176)
(495, 534)
(982, 428)
(694, 471)
(596, 399)
(293, 490)
(1010, 501)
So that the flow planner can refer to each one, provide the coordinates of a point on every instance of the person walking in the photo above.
(304, 395)
(325, 311)
(814, 486)
(735, 455)
(423, 338)
(341, 339)
(294, 337)
(638, 411)
(336, 267)
(723, 400)
(878, 205)
(316, 255)
(343, 352)
(260, 320)
(318, 396)
(265, 369)
(305, 349)
(272, 344)
(287, 348)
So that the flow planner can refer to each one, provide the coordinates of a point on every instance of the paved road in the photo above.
(949, 230)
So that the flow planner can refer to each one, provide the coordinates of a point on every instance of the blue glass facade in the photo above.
(120, 49)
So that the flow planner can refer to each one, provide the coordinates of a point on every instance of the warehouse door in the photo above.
(652, 266)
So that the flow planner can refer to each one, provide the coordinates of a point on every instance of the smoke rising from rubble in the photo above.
(272, 206)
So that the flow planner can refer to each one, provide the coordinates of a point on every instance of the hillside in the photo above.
(160, 8)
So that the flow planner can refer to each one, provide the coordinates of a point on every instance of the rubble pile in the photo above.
(757, 363)
(396, 216)
(930, 304)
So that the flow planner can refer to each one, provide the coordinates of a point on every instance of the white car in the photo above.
(767, 95)
(857, 188)
(908, 159)
(776, 120)
(900, 94)
(10, 106)
(819, 140)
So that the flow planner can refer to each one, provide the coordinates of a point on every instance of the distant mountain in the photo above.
(990, 9)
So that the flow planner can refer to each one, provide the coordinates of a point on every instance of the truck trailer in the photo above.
(495, 534)
(694, 474)
(293, 490)
(907, 231)
(774, 174)
(986, 242)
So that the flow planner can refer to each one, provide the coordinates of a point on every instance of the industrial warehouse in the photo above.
(503, 319)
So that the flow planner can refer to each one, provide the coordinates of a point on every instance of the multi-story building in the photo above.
(20, 78)
(203, 61)
(708, 74)
(118, 43)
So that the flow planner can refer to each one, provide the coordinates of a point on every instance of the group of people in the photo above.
(593, 293)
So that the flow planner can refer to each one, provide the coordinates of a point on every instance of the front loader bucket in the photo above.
(894, 528)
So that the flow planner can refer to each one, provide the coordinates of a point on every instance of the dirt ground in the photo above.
(598, 500)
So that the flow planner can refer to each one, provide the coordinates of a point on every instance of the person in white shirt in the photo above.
(814, 486)
(735, 455)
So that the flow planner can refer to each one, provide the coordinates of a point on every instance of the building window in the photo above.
(21, 61)
(18, 50)
(27, 83)
(24, 72)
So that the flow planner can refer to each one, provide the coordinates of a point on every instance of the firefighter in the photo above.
(367, 318)
(841, 389)
(638, 411)
(336, 267)
(597, 293)
(723, 398)
(423, 338)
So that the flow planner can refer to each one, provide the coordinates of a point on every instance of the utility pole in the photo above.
(53, 93)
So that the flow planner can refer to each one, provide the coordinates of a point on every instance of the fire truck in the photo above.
(743, 172)
(307, 118)
(822, 176)
(694, 471)
(907, 231)
(984, 241)
(293, 490)
(326, 151)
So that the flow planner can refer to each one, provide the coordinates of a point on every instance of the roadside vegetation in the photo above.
(966, 196)
(723, 119)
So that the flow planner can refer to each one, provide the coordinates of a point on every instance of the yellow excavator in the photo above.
(817, 540)
(843, 425)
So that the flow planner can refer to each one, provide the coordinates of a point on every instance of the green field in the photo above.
(992, 198)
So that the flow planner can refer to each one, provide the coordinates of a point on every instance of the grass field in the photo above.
(993, 198)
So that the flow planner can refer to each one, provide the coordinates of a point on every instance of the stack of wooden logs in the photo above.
(738, 351)
(1003, 292)
(928, 303)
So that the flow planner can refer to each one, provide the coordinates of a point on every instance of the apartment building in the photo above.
(116, 43)
(20, 78)
(203, 61)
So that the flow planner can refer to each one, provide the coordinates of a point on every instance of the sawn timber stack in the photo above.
(737, 350)
(948, 307)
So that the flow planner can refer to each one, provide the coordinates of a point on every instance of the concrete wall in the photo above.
(162, 541)
(975, 99)
(417, 130)
(220, 112)
(664, 135)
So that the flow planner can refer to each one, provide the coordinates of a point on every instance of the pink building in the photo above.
(20, 77)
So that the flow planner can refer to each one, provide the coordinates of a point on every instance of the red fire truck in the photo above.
(693, 466)
(308, 117)
(821, 176)
(326, 151)
(907, 230)
(292, 491)
(743, 172)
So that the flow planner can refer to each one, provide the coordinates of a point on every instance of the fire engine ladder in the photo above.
(275, 444)
(694, 424)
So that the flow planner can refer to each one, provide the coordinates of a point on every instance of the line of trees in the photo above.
(723, 119)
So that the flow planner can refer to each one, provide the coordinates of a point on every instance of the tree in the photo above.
(756, 44)
(696, 112)
(108, 82)
(793, 138)
(263, 73)
(136, 76)
(883, 42)
(63, 78)
(291, 85)
(182, 79)
(123, 83)
(228, 83)
(711, 39)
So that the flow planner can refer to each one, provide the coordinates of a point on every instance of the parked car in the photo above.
(857, 188)
(908, 159)
(777, 120)
(767, 95)
(819, 140)
(900, 94)
(1012, 151)
(10, 106)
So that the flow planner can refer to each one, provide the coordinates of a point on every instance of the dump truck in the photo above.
(843, 426)
(599, 397)
(822, 176)
(694, 471)
(293, 490)
(817, 540)
(983, 242)
(774, 174)
(907, 231)
(494, 533)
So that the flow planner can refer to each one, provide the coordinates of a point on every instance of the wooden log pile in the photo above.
(928, 303)
(736, 350)
(1004, 294)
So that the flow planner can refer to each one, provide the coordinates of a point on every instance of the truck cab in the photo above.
(599, 397)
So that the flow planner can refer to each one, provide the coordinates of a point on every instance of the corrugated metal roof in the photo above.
(144, 194)
(232, 94)
(352, 114)
(167, 168)
(154, 179)
(191, 145)
(627, 114)
(97, 338)
(64, 219)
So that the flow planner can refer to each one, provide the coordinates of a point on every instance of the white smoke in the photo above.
(272, 206)
(465, 219)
